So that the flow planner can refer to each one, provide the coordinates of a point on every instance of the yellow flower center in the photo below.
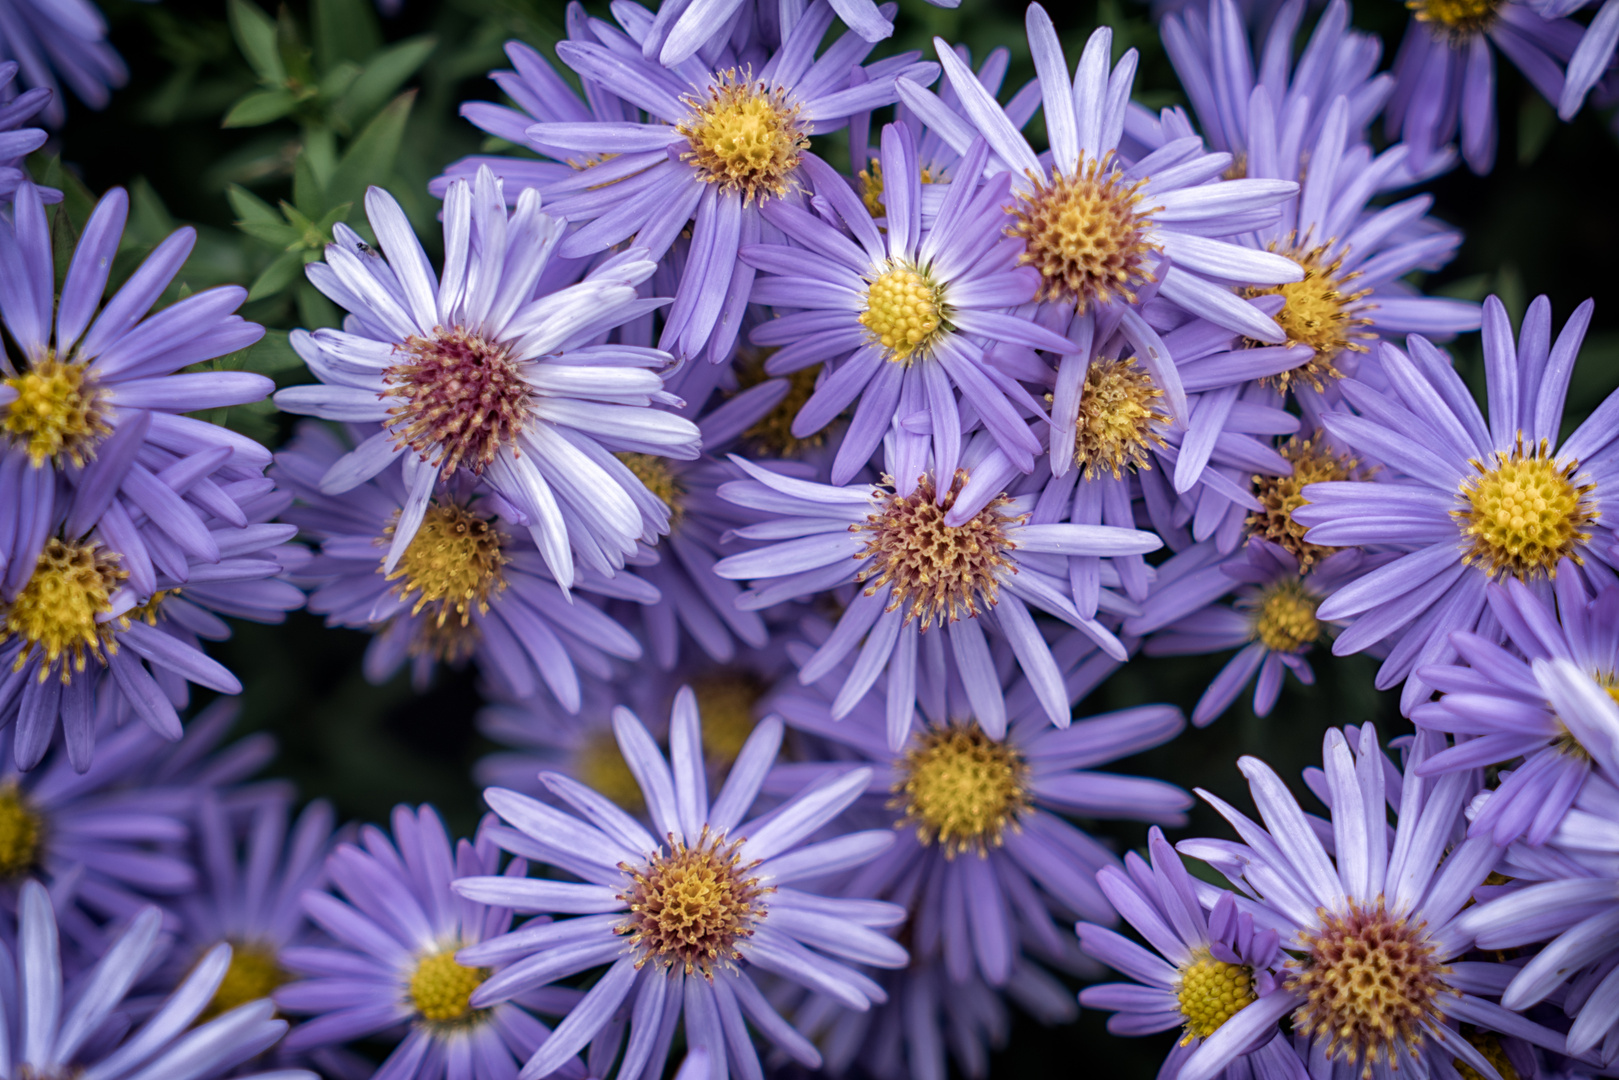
(254, 973)
(1118, 418)
(1370, 982)
(601, 767)
(1086, 234)
(657, 477)
(689, 908)
(1524, 514)
(904, 312)
(961, 789)
(1313, 463)
(1490, 1046)
(55, 613)
(726, 703)
(1455, 20)
(744, 136)
(1319, 312)
(942, 571)
(461, 398)
(453, 564)
(871, 186)
(1283, 617)
(21, 830)
(57, 413)
(772, 434)
(1211, 992)
(441, 989)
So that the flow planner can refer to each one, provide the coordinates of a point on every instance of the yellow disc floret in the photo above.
(452, 565)
(772, 434)
(57, 413)
(254, 973)
(1455, 20)
(871, 186)
(1313, 463)
(1210, 992)
(600, 765)
(942, 572)
(441, 989)
(726, 703)
(1087, 235)
(1282, 616)
(961, 789)
(55, 613)
(744, 135)
(1118, 418)
(657, 477)
(1370, 982)
(1524, 513)
(1321, 312)
(688, 909)
(904, 312)
(21, 831)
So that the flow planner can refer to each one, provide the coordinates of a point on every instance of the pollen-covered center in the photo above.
(58, 412)
(1320, 312)
(1370, 983)
(744, 135)
(600, 766)
(21, 833)
(452, 565)
(658, 477)
(1524, 513)
(55, 613)
(772, 434)
(1314, 462)
(726, 703)
(1087, 235)
(1282, 617)
(689, 908)
(871, 186)
(1118, 418)
(1455, 20)
(961, 789)
(441, 989)
(904, 311)
(941, 571)
(254, 973)
(460, 398)
(1211, 992)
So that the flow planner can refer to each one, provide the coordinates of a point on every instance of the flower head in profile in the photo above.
(1463, 499)
(469, 372)
(687, 923)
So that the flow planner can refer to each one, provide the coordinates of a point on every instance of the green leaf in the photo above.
(370, 157)
(255, 35)
(336, 82)
(344, 30)
(1536, 122)
(258, 218)
(314, 310)
(382, 78)
(308, 192)
(271, 354)
(277, 276)
(260, 107)
(149, 220)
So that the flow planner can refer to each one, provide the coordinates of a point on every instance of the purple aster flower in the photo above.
(66, 40)
(983, 574)
(1549, 701)
(1272, 623)
(1210, 964)
(17, 141)
(392, 966)
(1445, 72)
(470, 584)
(89, 396)
(44, 1033)
(986, 862)
(1152, 227)
(1384, 899)
(692, 164)
(902, 315)
(1463, 501)
(677, 957)
(475, 374)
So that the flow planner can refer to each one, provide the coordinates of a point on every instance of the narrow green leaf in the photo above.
(370, 158)
(308, 192)
(382, 78)
(260, 107)
(277, 276)
(250, 209)
(344, 30)
(255, 35)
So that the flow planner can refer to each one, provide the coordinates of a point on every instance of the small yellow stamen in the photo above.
(453, 564)
(726, 703)
(601, 767)
(871, 186)
(1279, 496)
(1455, 20)
(57, 414)
(772, 435)
(1087, 235)
(904, 312)
(745, 136)
(1490, 1046)
(1282, 616)
(688, 909)
(1211, 992)
(1118, 418)
(961, 789)
(460, 399)
(658, 477)
(254, 973)
(21, 832)
(55, 613)
(1524, 514)
(1322, 311)
(441, 989)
